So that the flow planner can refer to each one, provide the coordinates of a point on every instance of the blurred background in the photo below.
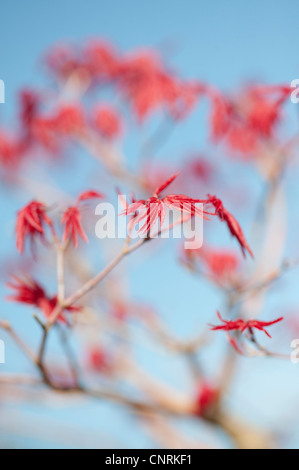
(228, 45)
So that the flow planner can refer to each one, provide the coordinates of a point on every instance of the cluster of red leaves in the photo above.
(71, 218)
(154, 208)
(43, 134)
(107, 121)
(98, 61)
(221, 264)
(141, 78)
(31, 293)
(252, 117)
(49, 130)
(42, 129)
(34, 128)
(244, 325)
(70, 120)
(149, 86)
(67, 120)
(30, 223)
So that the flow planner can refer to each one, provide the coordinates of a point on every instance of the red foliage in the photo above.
(71, 219)
(101, 60)
(148, 86)
(232, 224)
(250, 118)
(29, 105)
(10, 150)
(69, 120)
(208, 396)
(43, 131)
(107, 121)
(220, 116)
(221, 263)
(62, 61)
(85, 196)
(30, 223)
(72, 115)
(154, 207)
(31, 293)
(242, 325)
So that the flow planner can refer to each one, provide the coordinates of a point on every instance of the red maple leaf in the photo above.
(30, 223)
(232, 224)
(31, 293)
(154, 208)
(242, 325)
(71, 218)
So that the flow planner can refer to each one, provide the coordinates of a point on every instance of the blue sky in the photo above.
(223, 42)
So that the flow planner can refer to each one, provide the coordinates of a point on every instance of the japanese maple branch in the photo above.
(237, 429)
(74, 366)
(20, 343)
(285, 266)
(92, 283)
(15, 337)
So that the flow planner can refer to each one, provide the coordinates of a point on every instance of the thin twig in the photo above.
(15, 337)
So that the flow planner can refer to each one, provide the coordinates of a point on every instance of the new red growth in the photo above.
(243, 325)
(30, 223)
